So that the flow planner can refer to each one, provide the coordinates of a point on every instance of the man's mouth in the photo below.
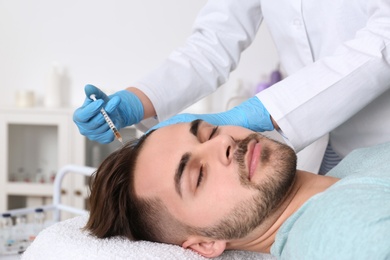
(253, 157)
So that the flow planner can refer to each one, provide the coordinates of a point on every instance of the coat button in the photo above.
(297, 22)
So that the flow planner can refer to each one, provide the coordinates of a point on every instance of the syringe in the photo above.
(109, 121)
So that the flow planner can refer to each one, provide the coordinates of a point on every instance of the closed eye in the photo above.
(213, 132)
(200, 177)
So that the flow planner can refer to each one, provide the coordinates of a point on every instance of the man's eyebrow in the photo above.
(179, 171)
(195, 126)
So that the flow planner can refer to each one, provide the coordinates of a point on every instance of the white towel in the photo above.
(66, 240)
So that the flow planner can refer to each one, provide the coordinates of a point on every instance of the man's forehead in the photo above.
(157, 159)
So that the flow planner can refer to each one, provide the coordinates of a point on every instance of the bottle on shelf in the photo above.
(39, 221)
(20, 175)
(53, 176)
(39, 176)
(20, 233)
(53, 86)
(6, 233)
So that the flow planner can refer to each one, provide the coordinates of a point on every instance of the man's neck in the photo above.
(305, 186)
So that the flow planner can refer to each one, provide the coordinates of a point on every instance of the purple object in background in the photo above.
(261, 86)
(275, 77)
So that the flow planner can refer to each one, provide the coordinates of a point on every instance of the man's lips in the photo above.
(254, 151)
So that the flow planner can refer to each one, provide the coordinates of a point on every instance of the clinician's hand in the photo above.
(250, 114)
(123, 107)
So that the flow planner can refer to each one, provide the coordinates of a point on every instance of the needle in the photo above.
(109, 121)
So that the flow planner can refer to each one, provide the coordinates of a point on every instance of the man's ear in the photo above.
(206, 247)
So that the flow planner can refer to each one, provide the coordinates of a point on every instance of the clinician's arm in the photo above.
(250, 114)
(318, 98)
(222, 30)
(149, 110)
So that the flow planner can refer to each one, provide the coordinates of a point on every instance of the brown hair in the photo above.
(115, 209)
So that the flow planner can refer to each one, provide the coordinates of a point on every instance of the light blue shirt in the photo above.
(350, 220)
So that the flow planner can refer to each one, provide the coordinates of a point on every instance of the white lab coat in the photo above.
(336, 53)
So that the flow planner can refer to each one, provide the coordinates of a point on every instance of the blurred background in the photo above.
(107, 43)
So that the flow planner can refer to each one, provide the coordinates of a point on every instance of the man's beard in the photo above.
(271, 190)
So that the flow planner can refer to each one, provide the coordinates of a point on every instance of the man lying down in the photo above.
(211, 189)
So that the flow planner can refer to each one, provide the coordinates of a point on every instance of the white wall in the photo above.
(106, 43)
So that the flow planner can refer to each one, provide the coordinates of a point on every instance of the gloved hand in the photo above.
(123, 107)
(250, 114)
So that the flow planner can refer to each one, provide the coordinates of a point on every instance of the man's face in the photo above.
(207, 175)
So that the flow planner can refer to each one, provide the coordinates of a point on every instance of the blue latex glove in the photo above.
(250, 114)
(123, 107)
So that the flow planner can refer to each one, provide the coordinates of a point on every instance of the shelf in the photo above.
(36, 143)
(33, 152)
(35, 110)
(29, 189)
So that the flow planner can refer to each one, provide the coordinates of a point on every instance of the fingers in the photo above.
(89, 110)
(102, 134)
(89, 120)
(112, 104)
(91, 89)
(103, 138)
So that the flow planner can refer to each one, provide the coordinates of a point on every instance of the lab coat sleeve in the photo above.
(222, 30)
(321, 96)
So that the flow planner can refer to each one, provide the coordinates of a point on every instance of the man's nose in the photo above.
(220, 148)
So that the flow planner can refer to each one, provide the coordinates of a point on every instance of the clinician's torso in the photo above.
(308, 30)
